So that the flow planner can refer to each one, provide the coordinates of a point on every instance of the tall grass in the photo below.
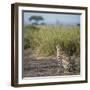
(42, 39)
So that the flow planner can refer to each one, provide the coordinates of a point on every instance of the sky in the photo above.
(52, 18)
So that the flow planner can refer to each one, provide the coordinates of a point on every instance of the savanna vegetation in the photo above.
(43, 39)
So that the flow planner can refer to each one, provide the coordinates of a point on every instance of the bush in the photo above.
(26, 43)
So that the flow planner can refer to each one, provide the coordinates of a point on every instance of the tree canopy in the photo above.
(36, 18)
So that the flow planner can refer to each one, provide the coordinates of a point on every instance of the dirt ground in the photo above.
(47, 66)
(43, 67)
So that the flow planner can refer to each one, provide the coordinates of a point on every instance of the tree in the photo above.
(78, 24)
(36, 19)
